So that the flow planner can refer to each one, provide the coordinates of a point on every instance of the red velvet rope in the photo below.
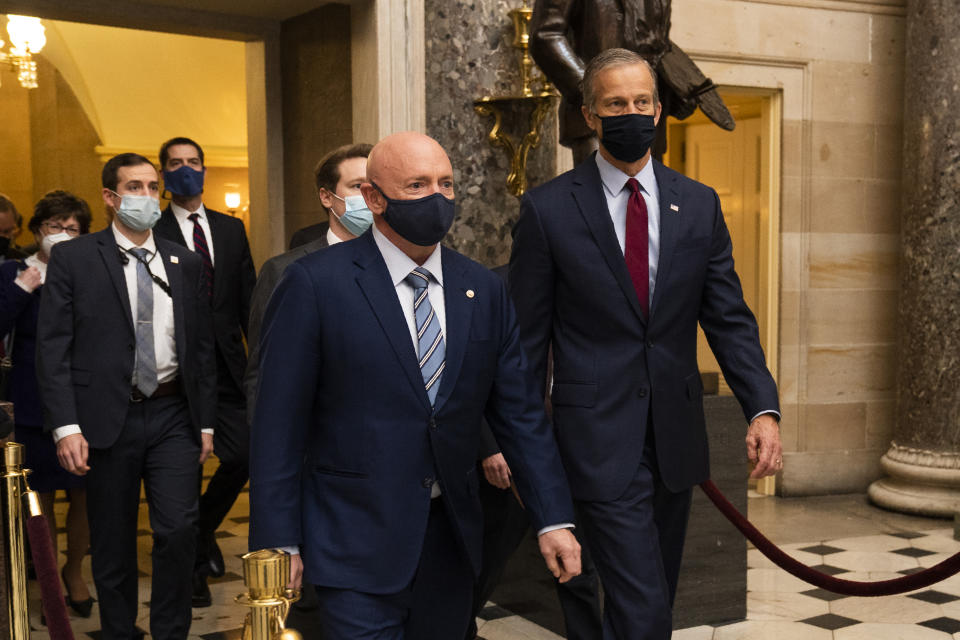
(45, 564)
(919, 580)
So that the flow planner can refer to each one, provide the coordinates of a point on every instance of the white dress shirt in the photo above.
(617, 194)
(186, 227)
(164, 338)
(332, 238)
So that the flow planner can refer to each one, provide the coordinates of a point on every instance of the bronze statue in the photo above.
(566, 34)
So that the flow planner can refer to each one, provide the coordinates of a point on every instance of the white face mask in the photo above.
(46, 244)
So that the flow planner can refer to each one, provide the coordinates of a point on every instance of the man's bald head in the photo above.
(402, 157)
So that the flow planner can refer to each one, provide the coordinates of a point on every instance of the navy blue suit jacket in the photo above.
(614, 368)
(345, 444)
(19, 311)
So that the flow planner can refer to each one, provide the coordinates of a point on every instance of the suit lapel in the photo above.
(459, 314)
(588, 194)
(377, 287)
(169, 228)
(669, 227)
(175, 280)
(110, 254)
(220, 245)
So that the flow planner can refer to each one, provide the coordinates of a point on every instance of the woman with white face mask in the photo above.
(58, 217)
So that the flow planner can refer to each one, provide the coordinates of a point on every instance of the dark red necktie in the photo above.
(636, 247)
(201, 247)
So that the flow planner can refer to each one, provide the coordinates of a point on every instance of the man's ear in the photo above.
(326, 198)
(108, 198)
(373, 198)
(591, 120)
(657, 113)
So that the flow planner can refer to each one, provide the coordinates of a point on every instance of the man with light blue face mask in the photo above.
(127, 377)
(337, 176)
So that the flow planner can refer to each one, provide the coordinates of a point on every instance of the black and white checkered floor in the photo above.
(778, 605)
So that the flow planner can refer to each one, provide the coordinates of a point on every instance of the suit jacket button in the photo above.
(427, 483)
(649, 344)
(433, 423)
(642, 393)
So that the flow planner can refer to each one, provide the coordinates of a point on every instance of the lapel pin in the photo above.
(174, 259)
(470, 293)
(674, 207)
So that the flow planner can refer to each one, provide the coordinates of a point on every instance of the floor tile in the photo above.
(913, 552)
(872, 561)
(933, 596)
(767, 629)
(882, 542)
(783, 606)
(774, 580)
(823, 594)
(693, 633)
(947, 625)
(875, 631)
(889, 609)
(830, 621)
(824, 549)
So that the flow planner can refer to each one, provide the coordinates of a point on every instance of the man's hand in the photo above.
(496, 471)
(763, 446)
(206, 446)
(30, 278)
(561, 551)
(72, 451)
(296, 571)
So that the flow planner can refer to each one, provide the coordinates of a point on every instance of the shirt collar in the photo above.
(125, 244)
(183, 215)
(615, 180)
(400, 265)
(332, 238)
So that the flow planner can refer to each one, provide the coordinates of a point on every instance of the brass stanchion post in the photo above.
(17, 582)
(265, 574)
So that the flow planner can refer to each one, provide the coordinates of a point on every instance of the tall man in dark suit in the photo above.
(613, 264)
(369, 408)
(337, 176)
(221, 243)
(126, 368)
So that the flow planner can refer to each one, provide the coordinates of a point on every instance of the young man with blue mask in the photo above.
(127, 378)
(220, 241)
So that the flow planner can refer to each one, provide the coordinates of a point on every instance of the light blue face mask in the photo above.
(357, 218)
(138, 212)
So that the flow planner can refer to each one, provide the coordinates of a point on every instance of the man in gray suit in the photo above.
(338, 176)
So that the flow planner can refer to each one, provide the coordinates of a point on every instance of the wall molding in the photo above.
(883, 7)
(213, 156)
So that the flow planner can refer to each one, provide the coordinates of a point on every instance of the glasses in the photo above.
(56, 227)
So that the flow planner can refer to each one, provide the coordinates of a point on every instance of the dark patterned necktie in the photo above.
(636, 246)
(430, 346)
(201, 247)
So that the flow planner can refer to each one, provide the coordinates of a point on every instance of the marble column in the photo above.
(469, 55)
(923, 462)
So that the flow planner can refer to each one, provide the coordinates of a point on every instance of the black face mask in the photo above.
(423, 221)
(628, 137)
(4, 245)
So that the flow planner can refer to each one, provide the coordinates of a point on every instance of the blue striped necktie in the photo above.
(145, 370)
(430, 347)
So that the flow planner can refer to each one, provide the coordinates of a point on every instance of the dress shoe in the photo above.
(82, 608)
(217, 567)
(201, 592)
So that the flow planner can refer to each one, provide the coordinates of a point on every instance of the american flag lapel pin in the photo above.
(174, 260)
(674, 208)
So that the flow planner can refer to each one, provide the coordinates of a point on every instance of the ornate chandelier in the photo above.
(26, 38)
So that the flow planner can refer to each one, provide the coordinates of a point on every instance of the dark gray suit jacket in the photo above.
(270, 275)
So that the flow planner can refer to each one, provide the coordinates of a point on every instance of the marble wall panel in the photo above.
(881, 420)
(843, 149)
(826, 472)
(848, 373)
(836, 317)
(468, 55)
(834, 426)
(853, 261)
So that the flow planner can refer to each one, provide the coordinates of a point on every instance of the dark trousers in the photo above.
(159, 446)
(435, 606)
(231, 445)
(505, 525)
(637, 544)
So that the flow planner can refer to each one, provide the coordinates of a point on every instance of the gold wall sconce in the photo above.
(536, 95)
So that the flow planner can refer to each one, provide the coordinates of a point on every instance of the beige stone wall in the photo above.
(839, 67)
